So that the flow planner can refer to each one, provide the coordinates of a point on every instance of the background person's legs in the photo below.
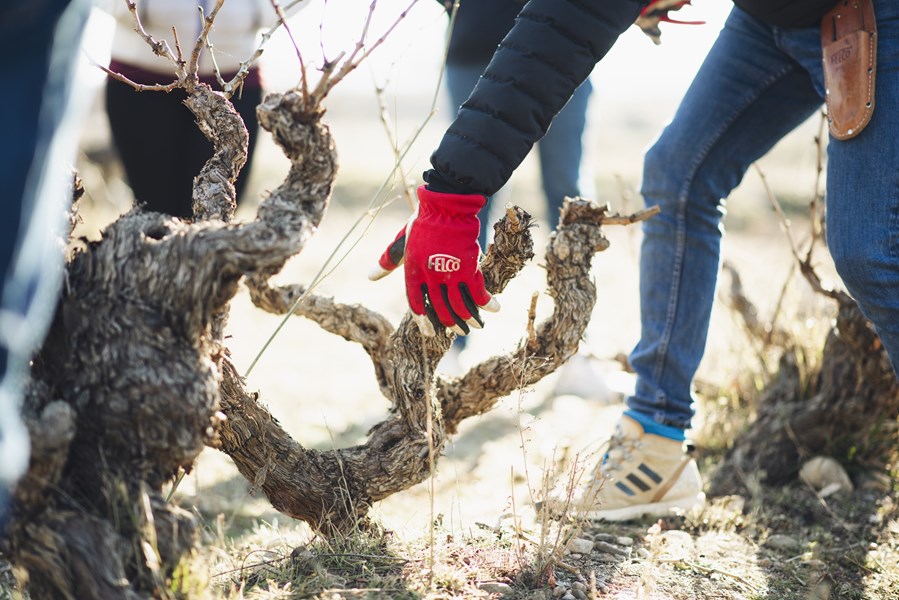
(561, 153)
(161, 147)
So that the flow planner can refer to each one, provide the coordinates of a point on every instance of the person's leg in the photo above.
(747, 95)
(750, 91)
(561, 152)
(149, 131)
(863, 196)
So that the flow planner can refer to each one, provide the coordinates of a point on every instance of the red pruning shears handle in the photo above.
(661, 12)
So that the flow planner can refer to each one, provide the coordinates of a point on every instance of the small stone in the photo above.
(643, 553)
(781, 542)
(559, 590)
(579, 586)
(580, 546)
(603, 537)
(607, 558)
(579, 594)
(624, 541)
(826, 476)
(610, 549)
(575, 556)
(496, 587)
(568, 596)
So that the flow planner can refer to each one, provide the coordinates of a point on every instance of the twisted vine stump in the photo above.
(847, 410)
(125, 391)
(333, 490)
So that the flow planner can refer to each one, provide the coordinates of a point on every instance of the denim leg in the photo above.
(863, 196)
(747, 95)
(561, 151)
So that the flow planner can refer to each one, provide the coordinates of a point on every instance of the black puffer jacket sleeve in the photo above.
(552, 48)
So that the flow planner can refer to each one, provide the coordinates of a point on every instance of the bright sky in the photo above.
(413, 53)
(636, 77)
(415, 50)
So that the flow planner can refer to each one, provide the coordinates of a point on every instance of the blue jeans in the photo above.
(560, 150)
(756, 85)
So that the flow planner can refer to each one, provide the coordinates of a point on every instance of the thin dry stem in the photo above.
(532, 318)
(775, 204)
(140, 87)
(178, 46)
(208, 20)
(330, 79)
(640, 215)
(817, 201)
(304, 86)
(805, 266)
(160, 48)
(384, 115)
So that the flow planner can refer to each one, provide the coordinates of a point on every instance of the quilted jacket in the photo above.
(551, 49)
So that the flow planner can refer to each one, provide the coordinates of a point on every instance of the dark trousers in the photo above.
(161, 147)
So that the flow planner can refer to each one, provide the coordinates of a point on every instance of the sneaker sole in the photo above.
(656, 509)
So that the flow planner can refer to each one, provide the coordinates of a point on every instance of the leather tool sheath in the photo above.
(849, 45)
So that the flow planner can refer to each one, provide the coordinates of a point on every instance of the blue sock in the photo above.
(650, 426)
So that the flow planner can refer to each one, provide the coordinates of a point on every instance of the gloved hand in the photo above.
(657, 11)
(439, 246)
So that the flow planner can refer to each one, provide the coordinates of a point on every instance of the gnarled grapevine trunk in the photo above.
(848, 409)
(333, 490)
(135, 342)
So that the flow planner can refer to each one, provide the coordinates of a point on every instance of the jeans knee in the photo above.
(854, 266)
(663, 178)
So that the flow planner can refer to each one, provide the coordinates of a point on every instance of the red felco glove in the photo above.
(439, 250)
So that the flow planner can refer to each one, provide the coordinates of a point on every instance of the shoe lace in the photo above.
(619, 450)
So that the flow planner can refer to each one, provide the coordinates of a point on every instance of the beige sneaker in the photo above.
(640, 474)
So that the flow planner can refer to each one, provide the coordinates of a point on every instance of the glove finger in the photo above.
(441, 309)
(458, 313)
(475, 319)
(424, 325)
(416, 298)
(481, 296)
(392, 257)
(432, 324)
